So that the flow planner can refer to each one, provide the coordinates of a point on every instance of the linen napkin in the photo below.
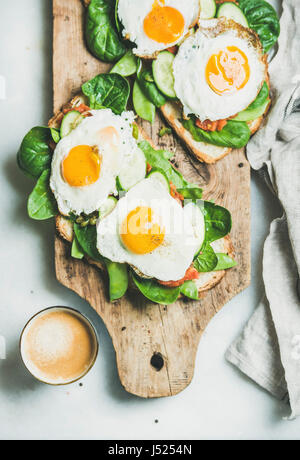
(268, 350)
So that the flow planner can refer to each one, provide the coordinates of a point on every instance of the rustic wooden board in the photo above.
(140, 329)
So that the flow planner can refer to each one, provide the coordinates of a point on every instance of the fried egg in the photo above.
(154, 25)
(151, 231)
(219, 70)
(86, 162)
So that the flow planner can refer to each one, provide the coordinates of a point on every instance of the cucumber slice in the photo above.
(163, 73)
(208, 9)
(231, 11)
(107, 207)
(126, 66)
(134, 170)
(252, 114)
(160, 177)
(70, 121)
(143, 107)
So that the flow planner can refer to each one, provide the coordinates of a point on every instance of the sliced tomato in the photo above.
(173, 49)
(208, 125)
(175, 194)
(149, 168)
(191, 274)
(82, 108)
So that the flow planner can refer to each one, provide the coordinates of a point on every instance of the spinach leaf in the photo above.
(206, 260)
(148, 86)
(262, 18)
(158, 159)
(35, 155)
(191, 193)
(235, 134)
(217, 222)
(87, 238)
(102, 38)
(41, 202)
(118, 279)
(257, 108)
(189, 289)
(224, 262)
(107, 90)
(262, 97)
(156, 292)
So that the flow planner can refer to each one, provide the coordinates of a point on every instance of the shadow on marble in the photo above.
(14, 377)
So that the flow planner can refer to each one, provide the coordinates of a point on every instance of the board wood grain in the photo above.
(155, 345)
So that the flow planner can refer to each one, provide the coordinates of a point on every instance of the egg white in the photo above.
(190, 63)
(132, 14)
(184, 232)
(88, 199)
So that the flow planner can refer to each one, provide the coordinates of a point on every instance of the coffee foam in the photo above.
(58, 346)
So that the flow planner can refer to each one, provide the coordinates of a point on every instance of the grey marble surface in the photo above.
(219, 404)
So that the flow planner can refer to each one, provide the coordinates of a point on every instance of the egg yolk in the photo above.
(164, 24)
(82, 166)
(141, 231)
(228, 71)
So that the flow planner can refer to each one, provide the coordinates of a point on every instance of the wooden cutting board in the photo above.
(155, 345)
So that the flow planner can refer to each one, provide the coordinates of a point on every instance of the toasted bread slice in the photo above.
(64, 225)
(205, 281)
(172, 111)
(207, 153)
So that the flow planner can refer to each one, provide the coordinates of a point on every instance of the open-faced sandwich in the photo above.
(209, 71)
(120, 203)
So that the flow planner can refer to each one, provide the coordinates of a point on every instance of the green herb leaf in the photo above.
(262, 97)
(87, 238)
(224, 262)
(159, 159)
(148, 86)
(235, 134)
(126, 66)
(206, 260)
(262, 18)
(107, 90)
(101, 35)
(217, 222)
(35, 155)
(189, 289)
(41, 202)
(156, 292)
(164, 131)
(191, 193)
